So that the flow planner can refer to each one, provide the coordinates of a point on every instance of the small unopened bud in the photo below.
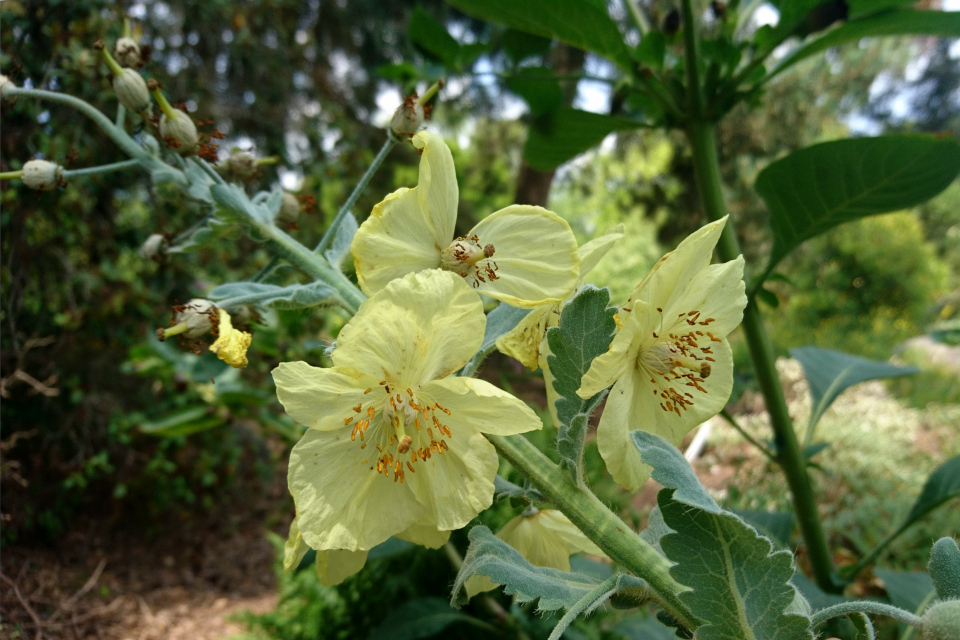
(408, 118)
(241, 165)
(289, 209)
(192, 320)
(131, 90)
(154, 247)
(941, 621)
(176, 127)
(42, 175)
(127, 53)
(5, 85)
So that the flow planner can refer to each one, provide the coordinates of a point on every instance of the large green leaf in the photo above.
(424, 618)
(906, 589)
(673, 471)
(740, 586)
(184, 422)
(895, 22)
(499, 321)
(815, 189)
(489, 556)
(643, 629)
(560, 135)
(829, 373)
(586, 329)
(776, 525)
(294, 296)
(942, 485)
(585, 24)
(432, 38)
(538, 86)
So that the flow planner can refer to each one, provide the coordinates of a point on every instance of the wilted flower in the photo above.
(42, 175)
(231, 344)
(192, 320)
(521, 255)
(395, 444)
(670, 364)
(127, 52)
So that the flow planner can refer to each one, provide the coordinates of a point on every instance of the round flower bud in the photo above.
(941, 621)
(127, 53)
(408, 118)
(131, 90)
(154, 246)
(42, 175)
(5, 85)
(199, 316)
(179, 132)
(241, 165)
(289, 209)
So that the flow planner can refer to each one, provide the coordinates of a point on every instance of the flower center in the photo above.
(407, 429)
(470, 259)
(679, 360)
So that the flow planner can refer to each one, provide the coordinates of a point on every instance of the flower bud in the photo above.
(408, 118)
(941, 621)
(5, 85)
(42, 175)
(154, 247)
(131, 90)
(241, 165)
(192, 320)
(289, 209)
(127, 53)
(179, 132)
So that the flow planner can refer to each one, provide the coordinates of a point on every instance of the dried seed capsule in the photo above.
(42, 175)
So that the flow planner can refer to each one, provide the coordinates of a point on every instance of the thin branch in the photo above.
(26, 607)
(865, 606)
(746, 436)
(104, 168)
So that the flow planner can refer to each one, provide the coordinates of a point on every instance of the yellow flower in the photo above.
(521, 255)
(546, 538)
(231, 345)
(395, 444)
(332, 567)
(527, 342)
(670, 364)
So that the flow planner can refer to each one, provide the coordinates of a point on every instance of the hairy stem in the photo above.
(598, 523)
(865, 606)
(104, 168)
(707, 170)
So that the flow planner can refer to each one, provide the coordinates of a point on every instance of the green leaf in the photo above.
(815, 189)
(432, 38)
(565, 133)
(906, 589)
(586, 329)
(776, 525)
(829, 373)
(233, 205)
(656, 529)
(294, 296)
(651, 50)
(768, 297)
(499, 321)
(897, 22)
(424, 618)
(489, 556)
(643, 629)
(391, 547)
(519, 45)
(585, 24)
(673, 471)
(587, 604)
(740, 586)
(942, 485)
(817, 597)
(505, 489)
(944, 568)
(538, 86)
(340, 247)
(183, 422)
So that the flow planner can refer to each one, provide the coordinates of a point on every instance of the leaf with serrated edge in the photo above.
(740, 587)
(817, 188)
(586, 329)
(673, 471)
(294, 296)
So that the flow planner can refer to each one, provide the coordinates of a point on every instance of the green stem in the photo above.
(267, 270)
(638, 16)
(865, 606)
(746, 436)
(600, 524)
(118, 122)
(104, 168)
(348, 205)
(871, 557)
(691, 47)
(11, 175)
(120, 137)
(702, 138)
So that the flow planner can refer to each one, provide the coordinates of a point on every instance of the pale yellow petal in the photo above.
(592, 252)
(523, 341)
(398, 238)
(558, 524)
(425, 533)
(717, 293)
(610, 366)
(422, 326)
(294, 549)
(342, 503)
(548, 380)
(478, 405)
(478, 584)
(437, 187)
(456, 485)
(231, 344)
(540, 546)
(623, 413)
(335, 566)
(535, 256)
(320, 398)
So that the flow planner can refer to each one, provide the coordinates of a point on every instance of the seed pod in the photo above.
(179, 132)
(131, 90)
(127, 53)
(289, 209)
(199, 316)
(42, 175)
(241, 165)
(408, 118)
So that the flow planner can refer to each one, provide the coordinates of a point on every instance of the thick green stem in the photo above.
(707, 170)
(691, 47)
(600, 524)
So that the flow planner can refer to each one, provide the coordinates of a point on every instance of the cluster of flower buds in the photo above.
(130, 86)
(176, 128)
(408, 118)
(42, 175)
